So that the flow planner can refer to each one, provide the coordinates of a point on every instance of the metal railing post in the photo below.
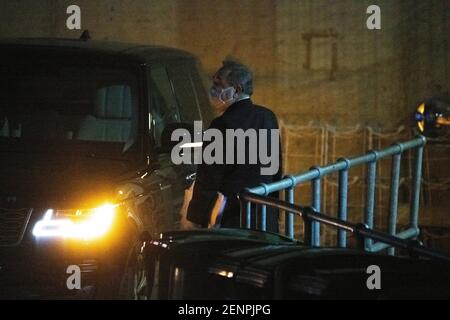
(415, 188)
(307, 229)
(314, 176)
(289, 216)
(393, 200)
(315, 226)
(343, 201)
(361, 240)
(370, 197)
(361, 231)
(263, 211)
(248, 216)
(263, 218)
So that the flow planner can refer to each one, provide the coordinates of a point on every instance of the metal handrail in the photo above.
(342, 166)
(361, 231)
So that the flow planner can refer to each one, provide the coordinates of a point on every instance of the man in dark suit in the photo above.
(230, 95)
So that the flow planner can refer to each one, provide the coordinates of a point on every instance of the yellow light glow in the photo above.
(95, 225)
(421, 108)
(421, 124)
(443, 121)
(226, 274)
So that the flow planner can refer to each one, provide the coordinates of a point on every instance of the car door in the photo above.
(174, 99)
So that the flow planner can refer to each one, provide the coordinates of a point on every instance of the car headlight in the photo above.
(77, 224)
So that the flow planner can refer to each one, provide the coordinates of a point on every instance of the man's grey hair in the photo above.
(237, 74)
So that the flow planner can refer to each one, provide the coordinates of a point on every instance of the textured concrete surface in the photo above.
(379, 76)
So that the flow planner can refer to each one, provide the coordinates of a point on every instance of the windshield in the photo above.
(70, 107)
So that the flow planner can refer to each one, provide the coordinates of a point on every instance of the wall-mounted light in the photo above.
(432, 118)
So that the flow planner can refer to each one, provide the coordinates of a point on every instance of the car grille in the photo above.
(12, 225)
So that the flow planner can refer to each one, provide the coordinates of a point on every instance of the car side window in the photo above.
(186, 94)
(163, 102)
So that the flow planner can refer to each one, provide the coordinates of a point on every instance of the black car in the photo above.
(231, 264)
(85, 161)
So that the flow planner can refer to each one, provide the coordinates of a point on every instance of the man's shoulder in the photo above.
(243, 110)
(267, 114)
(264, 110)
(218, 123)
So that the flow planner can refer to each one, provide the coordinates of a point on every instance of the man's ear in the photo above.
(239, 89)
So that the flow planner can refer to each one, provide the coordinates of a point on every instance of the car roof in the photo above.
(122, 50)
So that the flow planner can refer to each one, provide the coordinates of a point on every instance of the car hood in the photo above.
(59, 182)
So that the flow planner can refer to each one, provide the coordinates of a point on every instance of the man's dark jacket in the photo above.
(230, 179)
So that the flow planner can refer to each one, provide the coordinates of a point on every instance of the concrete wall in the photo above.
(380, 75)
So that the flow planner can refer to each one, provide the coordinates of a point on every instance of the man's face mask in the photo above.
(222, 98)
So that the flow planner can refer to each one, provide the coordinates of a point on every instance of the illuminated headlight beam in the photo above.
(95, 225)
